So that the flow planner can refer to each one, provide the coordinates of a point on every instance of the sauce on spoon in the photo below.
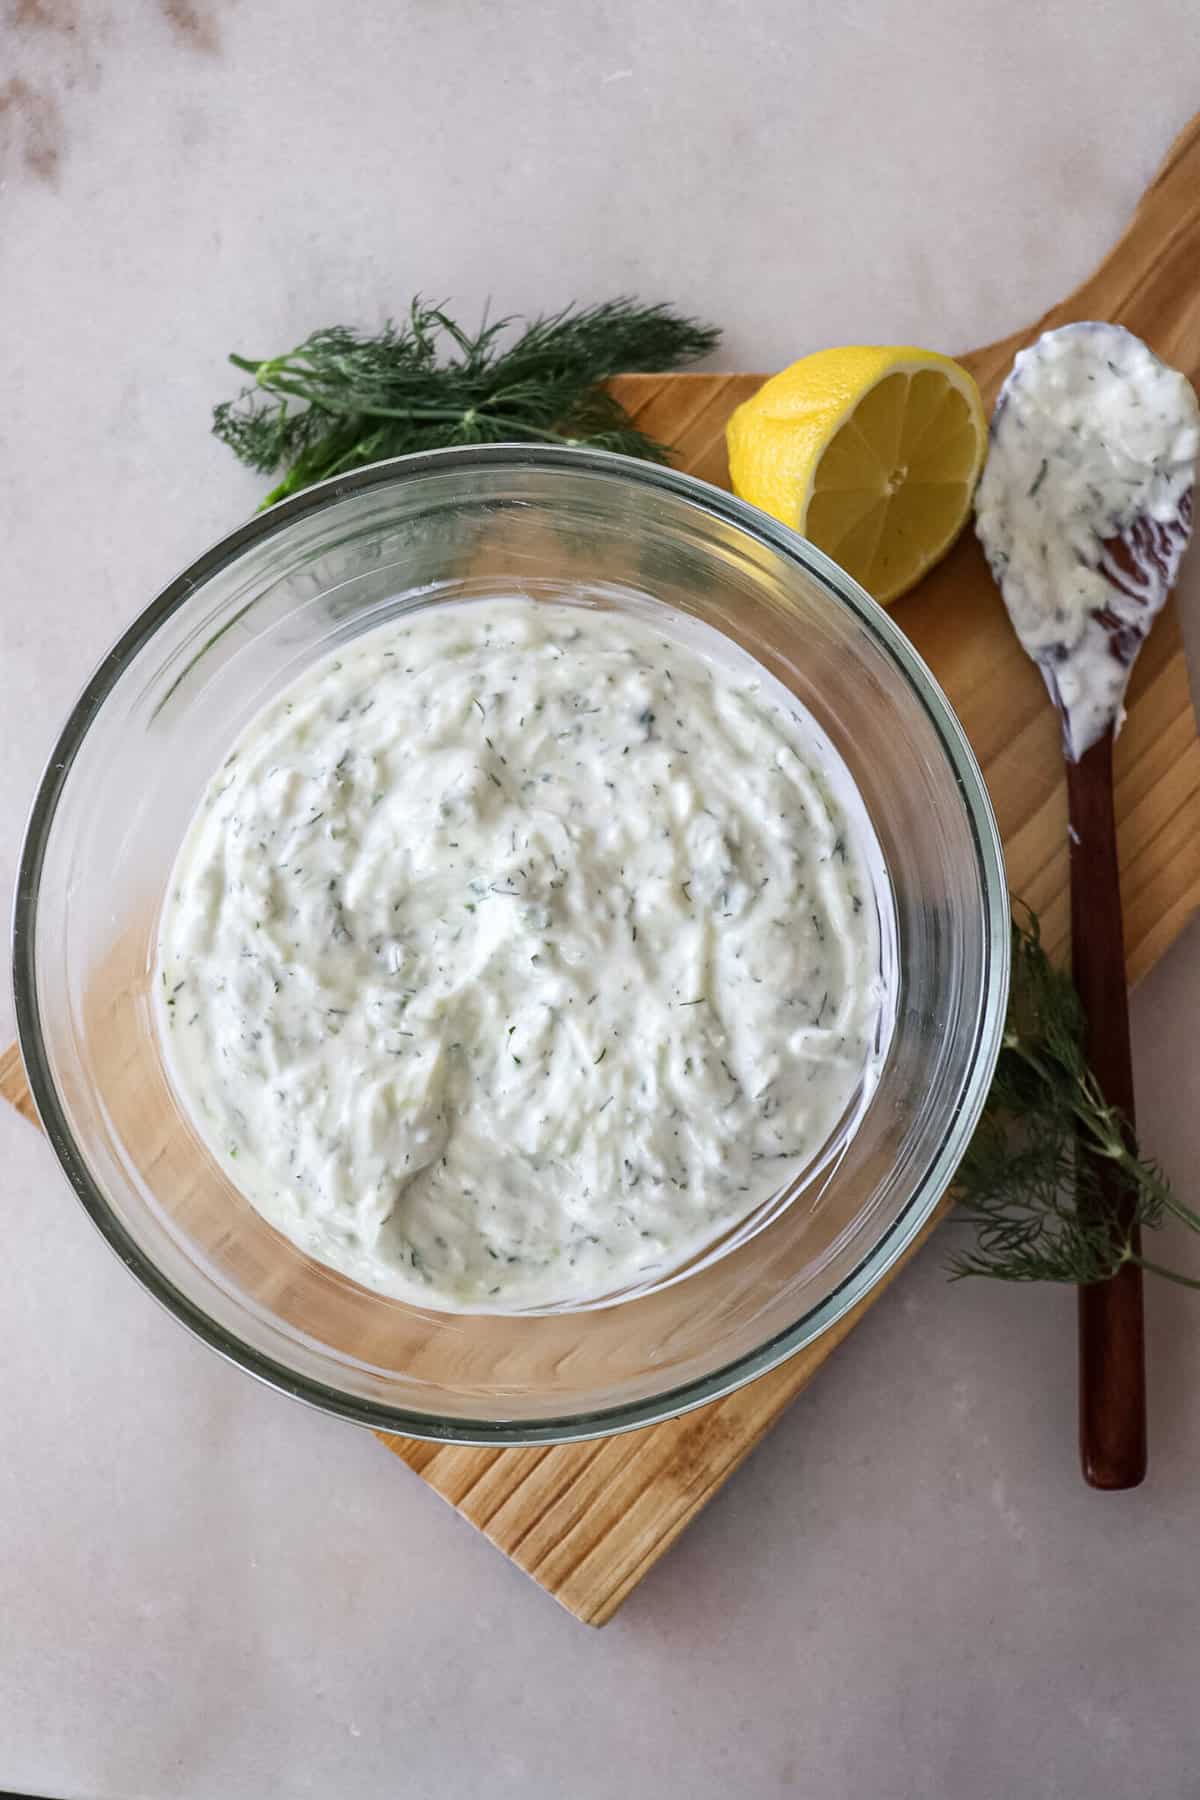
(1084, 510)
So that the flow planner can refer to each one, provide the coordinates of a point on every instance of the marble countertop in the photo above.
(209, 1592)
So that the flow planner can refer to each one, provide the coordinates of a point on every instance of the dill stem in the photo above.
(1177, 1209)
(355, 406)
(1153, 1268)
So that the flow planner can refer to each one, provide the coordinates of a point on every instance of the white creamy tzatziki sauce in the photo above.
(519, 950)
(1093, 439)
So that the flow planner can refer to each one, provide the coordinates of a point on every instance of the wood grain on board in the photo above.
(589, 1520)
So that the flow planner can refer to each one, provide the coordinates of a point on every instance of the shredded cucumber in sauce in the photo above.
(519, 950)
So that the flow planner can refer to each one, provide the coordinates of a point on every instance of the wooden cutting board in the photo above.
(587, 1521)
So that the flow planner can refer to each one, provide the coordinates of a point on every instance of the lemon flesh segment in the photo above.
(872, 452)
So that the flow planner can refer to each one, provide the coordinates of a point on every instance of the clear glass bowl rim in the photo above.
(905, 1227)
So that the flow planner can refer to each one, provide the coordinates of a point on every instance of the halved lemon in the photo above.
(871, 451)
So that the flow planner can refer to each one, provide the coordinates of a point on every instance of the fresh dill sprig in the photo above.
(342, 398)
(1023, 1187)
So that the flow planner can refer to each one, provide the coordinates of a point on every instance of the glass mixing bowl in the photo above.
(129, 769)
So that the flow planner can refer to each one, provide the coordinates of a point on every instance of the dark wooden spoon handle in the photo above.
(1112, 1369)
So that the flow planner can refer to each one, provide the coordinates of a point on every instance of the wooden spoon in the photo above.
(1112, 1378)
(1112, 1370)
(1116, 433)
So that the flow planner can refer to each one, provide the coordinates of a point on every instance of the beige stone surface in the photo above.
(208, 1591)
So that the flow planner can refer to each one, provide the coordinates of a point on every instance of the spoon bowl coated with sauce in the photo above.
(1084, 510)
